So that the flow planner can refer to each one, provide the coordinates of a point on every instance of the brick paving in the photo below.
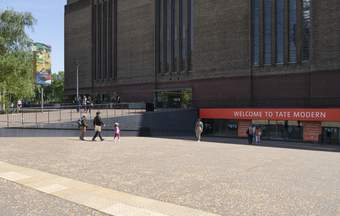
(226, 179)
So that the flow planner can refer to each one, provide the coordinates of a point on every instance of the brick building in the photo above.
(206, 53)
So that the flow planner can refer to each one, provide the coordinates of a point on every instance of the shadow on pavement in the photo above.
(4, 132)
(266, 143)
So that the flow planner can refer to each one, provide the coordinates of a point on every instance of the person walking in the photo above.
(85, 103)
(89, 104)
(19, 105)
(199, 129)
(98, 124)
(83, 125)
(258, 134)
(12, 107)
(118, 99)
(116, 132)
(250, 134)
(254, 133)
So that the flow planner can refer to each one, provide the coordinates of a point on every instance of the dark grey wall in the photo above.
(179, 122)
(161, 123)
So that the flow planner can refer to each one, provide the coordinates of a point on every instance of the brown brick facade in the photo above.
(221, 73)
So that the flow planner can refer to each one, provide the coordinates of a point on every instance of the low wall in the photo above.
(160, 123)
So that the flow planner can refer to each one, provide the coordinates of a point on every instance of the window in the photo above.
(169, 34)
(179, 98)
(292, 31)
(105, 39)
(256, 32)
(306, 29)
(267, 32)
(173, 26)
(282, 35)
(280, 28)
(163, 36)
(179, 49)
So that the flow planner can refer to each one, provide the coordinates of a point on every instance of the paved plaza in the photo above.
(208, 177)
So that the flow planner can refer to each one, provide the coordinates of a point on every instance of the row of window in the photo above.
(174, 35)
(105, 39)
(280, 31)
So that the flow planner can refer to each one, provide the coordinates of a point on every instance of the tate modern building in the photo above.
(271, 63)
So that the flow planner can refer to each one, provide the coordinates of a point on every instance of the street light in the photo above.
(78, 99)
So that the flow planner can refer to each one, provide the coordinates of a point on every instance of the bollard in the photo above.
(22, 118)
(7, 120)
(60, 114)
(36, 119)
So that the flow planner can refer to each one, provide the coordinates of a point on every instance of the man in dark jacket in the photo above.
(98, 124)
(83, 126)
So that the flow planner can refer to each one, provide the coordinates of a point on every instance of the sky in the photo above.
(49, 28)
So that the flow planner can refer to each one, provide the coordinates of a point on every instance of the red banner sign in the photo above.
(298, 114)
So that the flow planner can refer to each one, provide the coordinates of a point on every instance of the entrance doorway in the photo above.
(220, 127)
(283, 130)
(330, 135)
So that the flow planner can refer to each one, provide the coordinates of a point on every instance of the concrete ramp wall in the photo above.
(160, 123)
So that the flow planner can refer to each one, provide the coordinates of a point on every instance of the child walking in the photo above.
(116, 132)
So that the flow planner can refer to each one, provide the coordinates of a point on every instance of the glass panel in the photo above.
(173, 35)
(220, 127)
(169, 35)
(282, 130)
(292, 31)
(190, 36)
(161, 33)
(330, 135)
(267, 32)
(174, 99)
(280, 25)
(184, 31)
(306, 29)
(256, 31)
(165, 36)
(180, 35)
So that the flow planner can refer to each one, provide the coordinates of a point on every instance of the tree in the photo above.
(16, 69)
(55, 92)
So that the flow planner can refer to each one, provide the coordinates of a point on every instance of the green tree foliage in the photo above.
(55, 92)
(16, 68)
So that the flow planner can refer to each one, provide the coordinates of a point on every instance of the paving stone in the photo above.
(226, 179)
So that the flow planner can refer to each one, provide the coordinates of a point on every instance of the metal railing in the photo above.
(65, 115)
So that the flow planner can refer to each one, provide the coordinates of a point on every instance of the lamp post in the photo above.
(78, 83)
(78, 99)
(42, 98)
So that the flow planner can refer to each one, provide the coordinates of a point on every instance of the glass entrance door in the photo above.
(283, 130)
(330, 135)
